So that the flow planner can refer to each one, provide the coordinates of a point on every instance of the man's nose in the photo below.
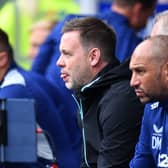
(134, 81)
(59, 61)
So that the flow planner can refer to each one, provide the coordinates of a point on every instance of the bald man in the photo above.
(150, 81)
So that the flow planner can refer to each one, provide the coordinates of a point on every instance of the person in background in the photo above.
(17, 16)
(37, 34)
(128, 18)
(15, 82)
(110, 112)
(147, 69)
(160, 24)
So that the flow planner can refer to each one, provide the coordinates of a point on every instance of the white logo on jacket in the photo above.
(154, 105)
(162, 160)
(157, 137)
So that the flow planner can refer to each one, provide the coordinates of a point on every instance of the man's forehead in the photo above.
(138, 61)
(142, 51)
(70, 37)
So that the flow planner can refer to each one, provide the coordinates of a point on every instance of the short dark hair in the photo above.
(145, 3)
(94, 33)
(5, 45)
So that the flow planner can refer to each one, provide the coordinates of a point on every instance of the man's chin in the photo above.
(144, 100)
(68, 86)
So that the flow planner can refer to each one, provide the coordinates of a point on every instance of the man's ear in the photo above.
(94, 56)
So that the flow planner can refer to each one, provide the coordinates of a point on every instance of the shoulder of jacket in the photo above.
(13, 77)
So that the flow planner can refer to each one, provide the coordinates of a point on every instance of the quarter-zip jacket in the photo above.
(152, 148)
(111, 119)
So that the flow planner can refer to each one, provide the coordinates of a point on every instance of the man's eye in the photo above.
(66, 53)
(140, 71)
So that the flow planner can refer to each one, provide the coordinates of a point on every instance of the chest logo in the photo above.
(157, 137)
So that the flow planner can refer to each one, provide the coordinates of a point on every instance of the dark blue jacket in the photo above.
(18, 83)
(152, 148)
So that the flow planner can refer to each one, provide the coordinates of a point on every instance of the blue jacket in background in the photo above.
(18, 83)
(127, 37)
(152, 148)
